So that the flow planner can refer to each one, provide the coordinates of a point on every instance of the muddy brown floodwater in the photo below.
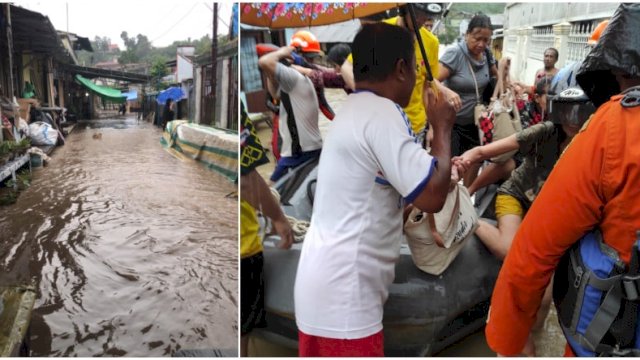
(133, 252)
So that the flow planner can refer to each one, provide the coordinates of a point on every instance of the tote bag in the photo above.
(436, 239)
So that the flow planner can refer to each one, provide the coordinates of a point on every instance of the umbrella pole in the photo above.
(441, 20)
(416, 29)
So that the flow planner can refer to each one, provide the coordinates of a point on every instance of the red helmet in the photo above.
(597, 32)
(306, 42)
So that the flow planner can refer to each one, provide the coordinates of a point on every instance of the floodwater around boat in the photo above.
(133, 251)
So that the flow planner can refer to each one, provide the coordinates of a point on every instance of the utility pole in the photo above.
(214, 51)
(10, 50)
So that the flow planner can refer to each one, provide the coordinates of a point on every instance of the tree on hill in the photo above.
(461, 11)
(137, 48)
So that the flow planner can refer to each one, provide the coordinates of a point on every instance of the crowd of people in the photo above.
(401, 139)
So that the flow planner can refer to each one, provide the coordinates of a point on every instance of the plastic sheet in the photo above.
(618, 50)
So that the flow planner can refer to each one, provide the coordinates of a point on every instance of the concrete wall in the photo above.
(530, 28)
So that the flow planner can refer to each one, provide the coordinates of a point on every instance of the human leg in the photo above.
(492, 173)
(252, 310)
(498, 239)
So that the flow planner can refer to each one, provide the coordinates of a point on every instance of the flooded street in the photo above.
(133, 252)
(549, 340)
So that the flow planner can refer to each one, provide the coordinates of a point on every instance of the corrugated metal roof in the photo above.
(34, 33)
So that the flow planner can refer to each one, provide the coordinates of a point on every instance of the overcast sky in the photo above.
(161, 21)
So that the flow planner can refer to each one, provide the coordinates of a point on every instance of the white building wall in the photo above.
(185, 69)
(530, 28)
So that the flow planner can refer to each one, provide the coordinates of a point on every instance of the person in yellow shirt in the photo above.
(425, 12)
(255, 194)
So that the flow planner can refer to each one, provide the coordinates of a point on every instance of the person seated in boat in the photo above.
(541, 145)
(301, 139)
(371, 164)
(532, 111)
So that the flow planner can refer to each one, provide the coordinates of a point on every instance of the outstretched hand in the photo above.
(467, 159)
(283, 228)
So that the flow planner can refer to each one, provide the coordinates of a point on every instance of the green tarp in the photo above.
(104, 92)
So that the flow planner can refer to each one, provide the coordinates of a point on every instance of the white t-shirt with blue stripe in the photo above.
(370, 165)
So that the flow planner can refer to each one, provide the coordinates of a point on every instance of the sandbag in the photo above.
(42, 134)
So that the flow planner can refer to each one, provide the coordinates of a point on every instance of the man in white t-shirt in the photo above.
(301, 140)
(370, 167)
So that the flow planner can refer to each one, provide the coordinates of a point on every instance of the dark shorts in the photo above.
(252, 293)
(289, 162)
(463, 138)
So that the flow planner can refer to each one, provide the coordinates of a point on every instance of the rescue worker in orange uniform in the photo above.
(593, 185)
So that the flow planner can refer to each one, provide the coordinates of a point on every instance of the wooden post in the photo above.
(214, 61)
(60, 93)
(10, 50)
(51, 87)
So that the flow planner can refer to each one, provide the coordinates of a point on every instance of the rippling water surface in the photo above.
(134, 252)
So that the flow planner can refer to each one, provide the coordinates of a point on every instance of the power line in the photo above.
(219, 11)
(174, 25)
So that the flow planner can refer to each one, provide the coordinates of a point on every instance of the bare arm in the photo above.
(493, 70)
(443, 72)
(441, 117)
(302, 70)
(269, 62)
(525, 88)
(347, 74)
(480, 153)
(255, 191)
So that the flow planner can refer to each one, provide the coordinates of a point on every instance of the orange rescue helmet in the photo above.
(597, 32)
(307, 43)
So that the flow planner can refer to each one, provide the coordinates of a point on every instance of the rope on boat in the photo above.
(299, 227)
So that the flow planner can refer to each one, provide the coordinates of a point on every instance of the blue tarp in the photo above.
(173, 93)
(131, 95)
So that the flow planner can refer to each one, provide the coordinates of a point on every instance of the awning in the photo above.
(91, 73)
(104, 92)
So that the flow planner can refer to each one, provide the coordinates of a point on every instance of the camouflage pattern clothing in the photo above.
(540, 148)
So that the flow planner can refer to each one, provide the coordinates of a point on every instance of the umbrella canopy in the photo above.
(291, 15)
(173, 93)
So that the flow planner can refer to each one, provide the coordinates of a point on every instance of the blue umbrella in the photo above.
(173, 93)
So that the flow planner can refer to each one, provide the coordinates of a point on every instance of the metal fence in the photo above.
(541, 39)
(578, 36)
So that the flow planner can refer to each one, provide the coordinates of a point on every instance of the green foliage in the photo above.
(5, 147)
(461, 11)
(158, 71)
(8, 197)
(137, 49)
(159, 67)
(23, 179)
(474, 8)
(9, 193)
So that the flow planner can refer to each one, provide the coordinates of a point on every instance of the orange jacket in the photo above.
(596, 181)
